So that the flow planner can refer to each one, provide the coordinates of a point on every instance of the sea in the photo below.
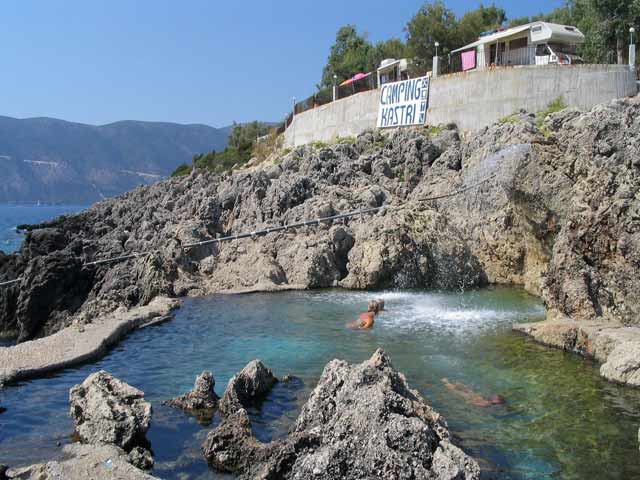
(14, 214)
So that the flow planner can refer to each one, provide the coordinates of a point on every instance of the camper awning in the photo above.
(494, 37)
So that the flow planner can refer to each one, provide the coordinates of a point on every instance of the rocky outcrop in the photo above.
(79, 343)
(201, 398)
(556, 211)
(615, 347)
(361, 421)
(246, 387)
(108, 411)
(82, 462)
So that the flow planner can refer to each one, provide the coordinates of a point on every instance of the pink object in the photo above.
(468, 60)
(358, 76)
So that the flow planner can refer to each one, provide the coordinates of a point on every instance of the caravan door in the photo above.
(544, 55)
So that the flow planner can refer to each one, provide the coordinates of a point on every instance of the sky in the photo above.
(191, 61)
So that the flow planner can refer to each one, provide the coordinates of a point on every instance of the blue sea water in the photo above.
(12, 215)
(560, 420)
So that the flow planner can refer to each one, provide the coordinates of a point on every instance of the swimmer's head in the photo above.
(373, 306)
(497, 400)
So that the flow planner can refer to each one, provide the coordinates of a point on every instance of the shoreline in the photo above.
(613, 345)
(75, 345)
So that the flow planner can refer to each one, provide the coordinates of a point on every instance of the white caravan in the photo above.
(537, 43)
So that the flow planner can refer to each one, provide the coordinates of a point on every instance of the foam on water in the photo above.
(416, 311)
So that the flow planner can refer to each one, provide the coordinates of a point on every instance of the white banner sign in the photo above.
(403, 103)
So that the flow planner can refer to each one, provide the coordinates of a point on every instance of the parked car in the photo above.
(556, 53)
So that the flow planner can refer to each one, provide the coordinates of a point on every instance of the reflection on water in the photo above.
(561, 420)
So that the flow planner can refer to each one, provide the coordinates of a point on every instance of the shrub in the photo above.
(553, 107)
(182, 170)
(318, 144)
(513, 118)
(345, 141)
(433, 130)
(268, 145)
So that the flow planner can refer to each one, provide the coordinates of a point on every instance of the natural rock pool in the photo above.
(561, 420)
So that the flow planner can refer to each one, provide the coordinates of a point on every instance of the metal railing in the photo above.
(500, 56)
(326, 95)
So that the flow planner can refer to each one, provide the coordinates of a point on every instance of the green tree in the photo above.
(434, 22)
(392, 48)
(614, 17)
(348, 55)
(243, 136)
(477, 21)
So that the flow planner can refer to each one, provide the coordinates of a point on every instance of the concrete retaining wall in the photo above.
(473, 100)
(342, 118)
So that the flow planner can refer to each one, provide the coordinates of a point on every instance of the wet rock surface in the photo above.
(108, 411)
(201, 401)
(82, 462)
(559, 215)
(361, 421)
(247, 387)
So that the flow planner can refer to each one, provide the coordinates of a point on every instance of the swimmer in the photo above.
(472, 397)
(365, 320)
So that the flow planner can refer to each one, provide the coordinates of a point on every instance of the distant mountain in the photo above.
(50, 160)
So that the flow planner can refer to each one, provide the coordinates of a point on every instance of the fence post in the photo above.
(632, 50)
(436, 67)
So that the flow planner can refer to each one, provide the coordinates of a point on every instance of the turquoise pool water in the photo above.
(561, 420)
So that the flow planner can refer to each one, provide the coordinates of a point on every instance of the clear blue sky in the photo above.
(196, 61)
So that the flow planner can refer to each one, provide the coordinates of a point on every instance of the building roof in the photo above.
(496, 36)
(564, 32)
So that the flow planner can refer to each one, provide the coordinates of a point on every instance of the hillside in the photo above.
(50, 160)
(558, 214)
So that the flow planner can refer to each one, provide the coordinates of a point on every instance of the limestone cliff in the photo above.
(560, 214)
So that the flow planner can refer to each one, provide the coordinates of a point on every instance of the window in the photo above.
(518, 43)
(542, 50)
(565, 48)
(537, 28)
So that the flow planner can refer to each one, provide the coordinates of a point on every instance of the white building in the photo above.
(537, 43)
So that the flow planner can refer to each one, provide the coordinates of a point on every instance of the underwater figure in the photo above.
(472, 397)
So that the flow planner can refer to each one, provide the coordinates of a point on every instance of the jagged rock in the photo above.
(201, 397)
(201, 401)
(361, 421)
(141, 458)
(554, 207)
(252, 383)
(82, 462)
(54, 286)
(106, 410)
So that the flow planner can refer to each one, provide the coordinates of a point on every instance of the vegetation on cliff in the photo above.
(242, 140)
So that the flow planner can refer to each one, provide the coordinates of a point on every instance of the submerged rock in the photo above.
(202, 401)
(361, 421)
(141, 458)
(202, 397)
(106, 410)
(252, 383)
(552, 205)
